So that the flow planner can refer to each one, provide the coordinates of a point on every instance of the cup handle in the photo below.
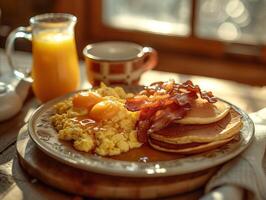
(20, 32)
(150, 58)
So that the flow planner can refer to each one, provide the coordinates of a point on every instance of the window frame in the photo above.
(189, 45)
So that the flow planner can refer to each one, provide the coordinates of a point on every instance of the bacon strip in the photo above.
(161, 103)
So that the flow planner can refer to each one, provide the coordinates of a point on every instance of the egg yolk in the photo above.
(86, 100)
(104, 110)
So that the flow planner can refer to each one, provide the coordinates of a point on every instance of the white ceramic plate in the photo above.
(48, 142)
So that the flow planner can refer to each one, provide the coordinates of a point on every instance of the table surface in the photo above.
(16, 184)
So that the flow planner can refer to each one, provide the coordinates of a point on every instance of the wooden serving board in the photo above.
(85, 183)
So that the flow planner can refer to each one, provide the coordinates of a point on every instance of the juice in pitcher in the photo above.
(55, 69)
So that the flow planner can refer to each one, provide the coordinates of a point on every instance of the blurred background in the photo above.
(216, 38)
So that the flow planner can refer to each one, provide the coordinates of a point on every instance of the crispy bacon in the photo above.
(161, 103)
(143, 127)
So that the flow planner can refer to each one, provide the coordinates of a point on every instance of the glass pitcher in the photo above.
(55, 69)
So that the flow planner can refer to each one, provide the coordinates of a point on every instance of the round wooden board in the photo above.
(85, 183)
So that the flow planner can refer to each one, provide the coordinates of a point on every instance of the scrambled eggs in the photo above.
(97, 121)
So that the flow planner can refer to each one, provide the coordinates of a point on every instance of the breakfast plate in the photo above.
(62, 151)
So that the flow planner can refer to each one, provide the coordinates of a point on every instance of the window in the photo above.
(203, 27)
(242, 21)
(171, 17)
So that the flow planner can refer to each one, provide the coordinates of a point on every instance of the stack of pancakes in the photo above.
(205, 127)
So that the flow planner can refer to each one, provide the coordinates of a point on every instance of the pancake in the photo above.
(223, 129)
(203, 112)
(192, 148)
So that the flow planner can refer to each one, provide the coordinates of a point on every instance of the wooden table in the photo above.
(16, 184)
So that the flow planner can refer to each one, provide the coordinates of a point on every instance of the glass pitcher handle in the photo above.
(20, 32)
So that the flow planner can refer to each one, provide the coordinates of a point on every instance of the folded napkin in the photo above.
(244, 176)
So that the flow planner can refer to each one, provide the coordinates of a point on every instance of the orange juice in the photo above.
(55, 68)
